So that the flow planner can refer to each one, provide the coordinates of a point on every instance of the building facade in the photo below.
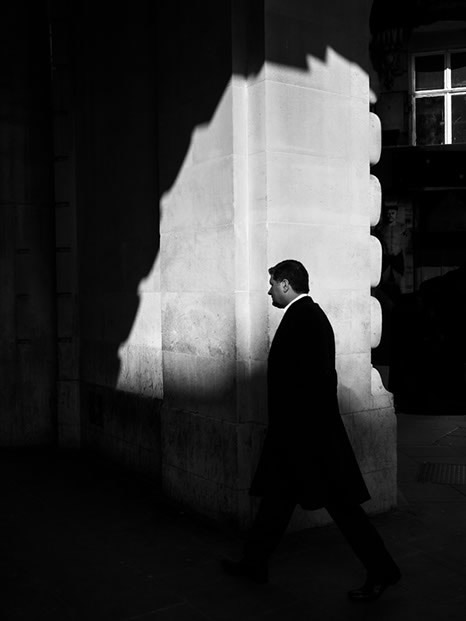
(190, 146)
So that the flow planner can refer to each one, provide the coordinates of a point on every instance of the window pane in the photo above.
(430, 122)
(458, 118)
(458, 69)
(429, 72)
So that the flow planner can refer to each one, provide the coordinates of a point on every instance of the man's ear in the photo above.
(285, 285)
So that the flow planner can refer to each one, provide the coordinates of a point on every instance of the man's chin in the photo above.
(277, 304)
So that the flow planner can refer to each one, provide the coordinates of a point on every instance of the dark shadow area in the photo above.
(427, 362)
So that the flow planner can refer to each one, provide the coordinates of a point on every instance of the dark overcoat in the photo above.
(306, 448)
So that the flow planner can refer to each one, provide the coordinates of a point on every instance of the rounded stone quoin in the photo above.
(375, 150)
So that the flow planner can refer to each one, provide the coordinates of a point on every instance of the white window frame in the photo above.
(445, 92)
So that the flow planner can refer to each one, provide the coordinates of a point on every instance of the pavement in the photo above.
(83, 542)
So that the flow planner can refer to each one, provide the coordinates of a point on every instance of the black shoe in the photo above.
(373, 588)
(258, 573)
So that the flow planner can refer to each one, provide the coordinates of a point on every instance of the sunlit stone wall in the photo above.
(279, 169)
(317, 201)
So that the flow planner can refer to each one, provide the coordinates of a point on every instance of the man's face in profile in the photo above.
(276, 293)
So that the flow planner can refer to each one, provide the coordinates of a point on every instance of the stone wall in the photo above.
(27, 270)
(211, 144)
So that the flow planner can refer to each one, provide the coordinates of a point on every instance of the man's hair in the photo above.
(294, 272)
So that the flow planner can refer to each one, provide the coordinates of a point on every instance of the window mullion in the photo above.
(448, 130)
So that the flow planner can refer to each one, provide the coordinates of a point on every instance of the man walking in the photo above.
(307, 458)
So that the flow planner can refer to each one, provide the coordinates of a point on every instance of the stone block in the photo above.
(200, 445)
(65, 226)
(375, 253)
(359, 132)
(68, 414)
(201, 385)
(140, 371)
(66, 310)
(336, 256)
(250, 442)
(376, 322)
(358, 198)
(100, 362)
(257, 122)
(251, 394)
(375, 200)
(205, 497)
(63, 135)
(199, 324)
(383, 490)
(243, 325)
(189, 256)
(66, 272)
(201, 197)
(304, 120)
(257, 189)
(308, 189)
(68, 359)
(240, 110)
(62, 178)
(214, 139)
(354, 383)
(259, 334)
(23, 272)
(146, 329)
(381, 398)
(349, 315)
(151, 282)
(375, 138)
(373, 436)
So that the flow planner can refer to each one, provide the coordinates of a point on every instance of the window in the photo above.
(439, 98)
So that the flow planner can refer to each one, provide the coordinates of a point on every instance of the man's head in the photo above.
(288, 279)
(391, 213)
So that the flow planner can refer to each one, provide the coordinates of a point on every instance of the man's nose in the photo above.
(269, 292)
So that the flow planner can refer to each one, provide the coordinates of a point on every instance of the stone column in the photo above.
(311, 197)
(27, 304)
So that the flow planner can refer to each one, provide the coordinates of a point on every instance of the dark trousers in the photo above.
(275, 512)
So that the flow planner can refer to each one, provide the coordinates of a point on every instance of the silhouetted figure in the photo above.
(307, 458)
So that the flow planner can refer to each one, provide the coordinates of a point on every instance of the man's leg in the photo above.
(369, 547)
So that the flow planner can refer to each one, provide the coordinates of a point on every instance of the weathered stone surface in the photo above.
(375, 139)
(200, 445)
(307, 189)
(69, 419)
(375, 260)
(189, 255)
(375, 200)
(373, 436)
(202, 197)
(382, 487)
(200, 385)
(205, 497)
(376, 322)
(140, 371)
(303, 121)
(125, 427)
(381, 398)
(354, 391)
(337, 258)
(251, 393)
(199, 324)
